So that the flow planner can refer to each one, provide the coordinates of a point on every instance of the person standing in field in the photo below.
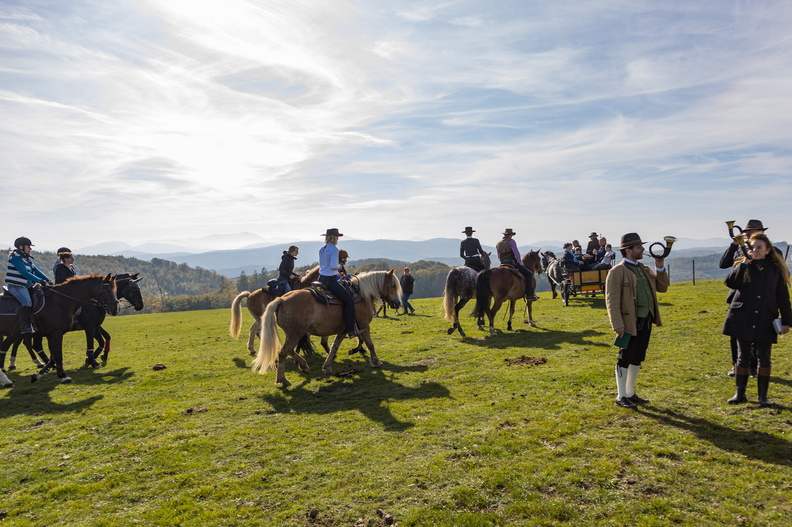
(761, 293)
(407, 281)
(631, 299)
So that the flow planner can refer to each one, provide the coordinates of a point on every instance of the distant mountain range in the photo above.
(255, 256)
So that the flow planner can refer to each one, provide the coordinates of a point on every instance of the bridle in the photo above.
(98, 300)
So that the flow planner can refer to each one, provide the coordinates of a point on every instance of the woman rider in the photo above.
(286, 268)
(21, 273)
(65, 267)
(329, 277)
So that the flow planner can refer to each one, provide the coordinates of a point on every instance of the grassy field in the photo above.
(516, 429)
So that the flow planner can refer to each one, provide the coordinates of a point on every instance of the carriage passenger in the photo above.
(470, 250)
(286, 269)
(608, 259)
(578, 256)
(508, 254)
(20, 274)
(330, 277)
(569, 257)
(593, 244)
(65, 267)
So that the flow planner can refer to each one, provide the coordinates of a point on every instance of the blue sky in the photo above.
(150, 120)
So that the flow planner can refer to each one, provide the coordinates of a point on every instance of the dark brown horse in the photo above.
(505, 283)
(460, 288)
(299, 314)
(55, 316)
(257, 302)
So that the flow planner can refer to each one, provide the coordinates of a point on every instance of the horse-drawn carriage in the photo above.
(584, 283)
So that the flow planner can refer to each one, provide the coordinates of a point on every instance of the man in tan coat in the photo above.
(631, 298)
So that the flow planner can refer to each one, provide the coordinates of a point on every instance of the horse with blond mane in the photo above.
(300, 314)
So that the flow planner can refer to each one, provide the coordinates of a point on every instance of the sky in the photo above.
(138, 120)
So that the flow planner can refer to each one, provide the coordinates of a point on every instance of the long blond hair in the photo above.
(772, 256)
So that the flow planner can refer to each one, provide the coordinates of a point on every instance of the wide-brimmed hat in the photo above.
(508, 232)
(468, 229)
(754, 225)
(332, 232)
(631, 239)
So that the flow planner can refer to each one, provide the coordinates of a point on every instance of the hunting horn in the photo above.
(731, 226)
(669, 241)
(740, 240)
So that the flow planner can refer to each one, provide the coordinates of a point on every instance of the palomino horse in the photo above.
(256, 304)
(299, 314)
(55, 315)
(505, 283)
(90, 319)
(554, 267)
(459, 289)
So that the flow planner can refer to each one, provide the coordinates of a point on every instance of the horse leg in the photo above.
(324, 341)
(327, 367)
(457, 308)
(255, 328)
(104, 347)
(286, 350)
(90, 332)
(56, 351)
(5, 382)
(3, 350)
(38, 349)
(373, 360)
(511, 314)
(496, 305)
(529, 310)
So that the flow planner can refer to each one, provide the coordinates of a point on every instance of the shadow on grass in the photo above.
(539, 338)
(750, 443)
(363, 388)
(27, 398)
(580, 301)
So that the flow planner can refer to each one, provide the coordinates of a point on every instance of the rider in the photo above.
(21, 273)
(65, 267)
(286, 268)
(330, 278)
(470, 249)
(343, 256)
(509, 255)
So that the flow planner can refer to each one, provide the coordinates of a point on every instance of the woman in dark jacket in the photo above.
(65, 267)
(761, 294)
(286, 268)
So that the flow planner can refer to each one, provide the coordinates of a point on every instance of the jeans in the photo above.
(21, 293)
(335, 287)
(405, 301)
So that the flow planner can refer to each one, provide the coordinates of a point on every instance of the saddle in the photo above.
(512, 268)
(9, 305)
(323, 295)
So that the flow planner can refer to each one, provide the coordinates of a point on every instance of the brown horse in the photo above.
(257, 302)
(505, 283)
(55, 316)
(299, 314)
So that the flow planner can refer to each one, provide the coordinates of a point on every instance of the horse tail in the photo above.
(483, 293)
(270, 342)
(449, 295)
(236, 314)
(305, 346)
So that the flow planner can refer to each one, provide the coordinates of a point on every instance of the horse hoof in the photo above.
(12, 368)
(377, 364)
(284, 383)
(450, 331)
(34, 377)
(66, 380)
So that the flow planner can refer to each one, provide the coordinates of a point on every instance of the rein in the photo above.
(78, 300)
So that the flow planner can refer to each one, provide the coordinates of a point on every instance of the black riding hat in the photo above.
(22, 240)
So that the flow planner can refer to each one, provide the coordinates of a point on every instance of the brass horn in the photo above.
(740, 240)
(731, 226)
(669, 241)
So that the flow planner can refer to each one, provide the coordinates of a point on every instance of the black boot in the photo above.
(741, 380)
(24, 321)
(763, 383)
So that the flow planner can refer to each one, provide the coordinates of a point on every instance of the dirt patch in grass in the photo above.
(523, 360)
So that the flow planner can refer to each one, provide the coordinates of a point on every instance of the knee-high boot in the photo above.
(741, 380)
(25, 327)
(763, 383)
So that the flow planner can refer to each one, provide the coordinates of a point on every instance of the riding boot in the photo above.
(741, 381)
(25, 327)
(763, 383)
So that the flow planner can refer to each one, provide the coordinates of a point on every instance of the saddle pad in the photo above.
(324, 296)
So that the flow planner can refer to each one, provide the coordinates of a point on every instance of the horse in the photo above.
(299, 314)
(257, 302)
(459, 289)
(505, 283)
(55, 314)
(90, 319)
(554, 267)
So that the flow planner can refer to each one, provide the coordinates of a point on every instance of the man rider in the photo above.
(470, 250)
(20, 274)
(509, 255)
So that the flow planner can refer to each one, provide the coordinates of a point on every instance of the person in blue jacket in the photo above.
(21, 274)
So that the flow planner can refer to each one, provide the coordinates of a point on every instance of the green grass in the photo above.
(447, 433)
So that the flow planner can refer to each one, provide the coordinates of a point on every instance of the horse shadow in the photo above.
(596, 302)
(27, 398)
(753, 444)
(541, 338)
(362, 394)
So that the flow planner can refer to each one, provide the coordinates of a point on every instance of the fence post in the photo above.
(694, 271)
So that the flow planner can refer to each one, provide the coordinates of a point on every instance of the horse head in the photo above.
(106, 295)
(547, 258)
(485, 258)
(127, 288)
(391, 290)
(533, 262)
